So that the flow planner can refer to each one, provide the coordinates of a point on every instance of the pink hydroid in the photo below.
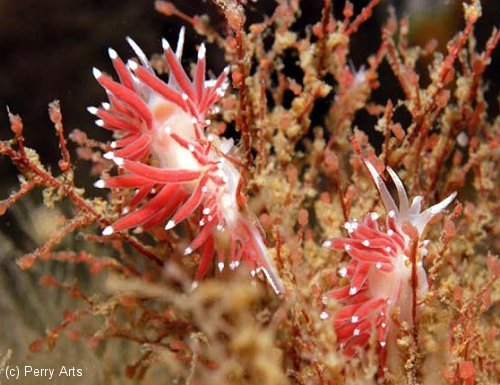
(178, 171)
(379, 272)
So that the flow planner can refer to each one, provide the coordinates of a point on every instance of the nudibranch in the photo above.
(379, 271)
(179, 171)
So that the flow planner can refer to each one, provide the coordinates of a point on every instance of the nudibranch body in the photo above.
(178, 170)
(379, 271)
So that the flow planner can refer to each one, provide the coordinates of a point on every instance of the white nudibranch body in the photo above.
(379, 272)
(178, 171)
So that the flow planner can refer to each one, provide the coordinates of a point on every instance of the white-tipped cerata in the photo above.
(202, 51)
(194, 285)
(112, 54)
(92, 110)
(109, 155)
(327, 244)
(100, 184)
(118, 161)
(170, 225)
(97, 74)
(132, 65)
(165, 45)
(324, 315)
(108, 230)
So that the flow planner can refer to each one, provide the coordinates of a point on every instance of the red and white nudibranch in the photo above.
(379, 271)
(178, 170)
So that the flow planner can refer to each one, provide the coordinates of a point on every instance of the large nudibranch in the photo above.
(379, 271)
(178, 170)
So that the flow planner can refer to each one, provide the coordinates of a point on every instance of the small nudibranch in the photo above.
(379, 271)
(178, 171)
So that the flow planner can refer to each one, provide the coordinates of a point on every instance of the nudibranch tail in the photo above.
(178, 171)
(255, 253)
